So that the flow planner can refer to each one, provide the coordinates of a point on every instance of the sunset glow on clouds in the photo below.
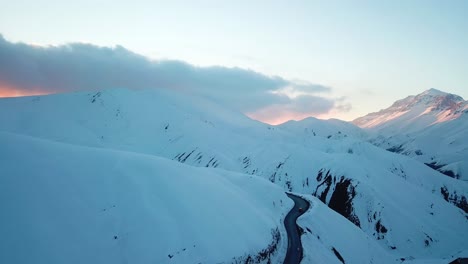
(372, 52)
(8, 91)
(33, 70)
(300, 107)
(275, 115)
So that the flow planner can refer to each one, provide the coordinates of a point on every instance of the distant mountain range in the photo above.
(376, 185)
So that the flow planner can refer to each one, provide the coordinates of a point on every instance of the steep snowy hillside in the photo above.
(430, 127)
(415, 113)
(332, 239)
(405, 207)
(68, 204)
(443, 146)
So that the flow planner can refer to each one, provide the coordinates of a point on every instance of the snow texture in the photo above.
(69, 204)
(184, 171)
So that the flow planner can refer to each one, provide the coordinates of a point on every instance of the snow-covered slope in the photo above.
(407, 208)
(442, 146)
(430, 127)
(69, 204)
(329, 238)
(331, 129)
(415, 113)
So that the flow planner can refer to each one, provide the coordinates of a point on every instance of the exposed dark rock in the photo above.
(319, 175)
(288, 184)
(396, 149)
(460, 261)
(327, 182)
(428, 240)
(438, 167)
(279, 165)
(273, 177)
(426, 243)
(338, 255)
(186, 157)
(458, 201)
(246, 162)
(342, 200)
(208, 164)
(301, 230)
(263, 255)
(380, 229)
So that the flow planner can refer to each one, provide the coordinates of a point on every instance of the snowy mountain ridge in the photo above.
(415, 113)
(430, 127)
(390, 201)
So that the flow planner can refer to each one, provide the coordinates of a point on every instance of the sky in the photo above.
(273, 60)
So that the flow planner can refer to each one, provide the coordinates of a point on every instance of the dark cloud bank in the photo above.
(77, 67)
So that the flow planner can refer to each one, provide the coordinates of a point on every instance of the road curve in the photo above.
(294, 252)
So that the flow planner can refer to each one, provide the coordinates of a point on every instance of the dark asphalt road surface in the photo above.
(294, 253)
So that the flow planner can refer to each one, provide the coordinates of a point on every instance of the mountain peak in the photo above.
(433, 91)
(416, 112)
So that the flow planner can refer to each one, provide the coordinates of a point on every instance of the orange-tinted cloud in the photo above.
(301, 107)
(31, 70)
(9, 91)
(279, 113)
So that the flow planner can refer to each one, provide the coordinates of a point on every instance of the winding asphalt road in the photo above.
(294, 253)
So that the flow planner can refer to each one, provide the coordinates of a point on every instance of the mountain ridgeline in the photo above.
(430, 127)
(383, 178)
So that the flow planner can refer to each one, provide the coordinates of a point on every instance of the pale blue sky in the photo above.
(371, 52)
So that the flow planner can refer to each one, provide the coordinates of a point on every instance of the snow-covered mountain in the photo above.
(430, 127)
(414, 113)
(383, 200)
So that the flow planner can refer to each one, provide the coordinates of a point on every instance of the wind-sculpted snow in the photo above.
(392, 199)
